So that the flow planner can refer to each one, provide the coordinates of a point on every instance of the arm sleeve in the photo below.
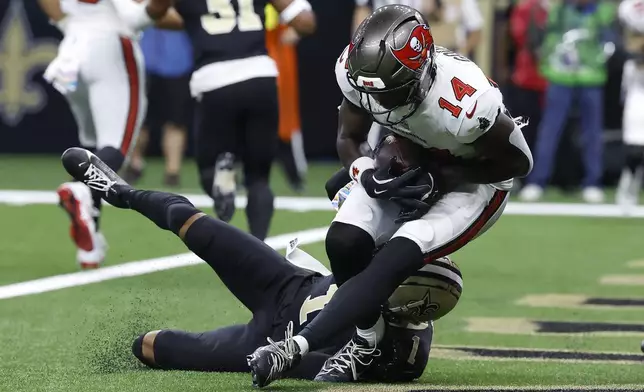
(484, 112)
(471, 18)
(133, 14)
(341, 77)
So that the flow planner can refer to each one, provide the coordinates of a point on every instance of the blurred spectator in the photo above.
(577, 44)
(168, 59)
(527, 24)
(280, 43)
(631, 13)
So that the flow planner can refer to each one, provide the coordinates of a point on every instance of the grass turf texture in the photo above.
(78, 339)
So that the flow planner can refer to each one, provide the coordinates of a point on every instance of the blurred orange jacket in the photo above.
(287, 84)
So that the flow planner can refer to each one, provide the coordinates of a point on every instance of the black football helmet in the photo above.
(391, 62)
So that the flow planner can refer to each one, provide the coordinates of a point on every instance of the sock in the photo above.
(259, 209)
(373, 335)
(302, 343)
(167, 210)
(114, 159)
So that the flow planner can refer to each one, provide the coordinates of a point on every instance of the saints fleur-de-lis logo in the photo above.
(20, 57)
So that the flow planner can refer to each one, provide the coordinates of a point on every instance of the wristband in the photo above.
(292, 10)
(359, 166)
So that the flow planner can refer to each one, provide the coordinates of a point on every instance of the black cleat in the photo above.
(269, 363)
(349, 363)
(224, 186)
(93, 172)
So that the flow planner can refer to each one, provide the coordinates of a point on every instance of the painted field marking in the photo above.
(534, 354)
(523, 326)
(303, 204)
(622, 280)
(636, 264)
(580, 301)
(136, 268)
(418, 387)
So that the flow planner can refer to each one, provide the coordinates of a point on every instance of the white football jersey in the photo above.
(462, 104)
(633, 87)
(88, 16)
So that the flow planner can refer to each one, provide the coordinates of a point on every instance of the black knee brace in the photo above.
(349, 249)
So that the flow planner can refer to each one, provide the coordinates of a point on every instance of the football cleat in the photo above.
(349, 363)
(224, 186)
(269, 363)
(93, 172)
(76, 199)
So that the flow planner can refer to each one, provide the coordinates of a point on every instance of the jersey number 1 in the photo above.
(222, 19)
(311, 305)
(461, 89)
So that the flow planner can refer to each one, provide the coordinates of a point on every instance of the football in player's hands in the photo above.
(406, 154)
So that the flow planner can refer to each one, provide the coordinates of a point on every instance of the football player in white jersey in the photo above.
(99, 69)
(631, 13)
(391, 73)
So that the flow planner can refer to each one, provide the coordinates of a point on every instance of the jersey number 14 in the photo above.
(222, 18)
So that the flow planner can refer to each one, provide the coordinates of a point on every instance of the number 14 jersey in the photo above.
(462, 104)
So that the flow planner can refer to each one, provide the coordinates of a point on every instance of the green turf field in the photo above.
(540, 303)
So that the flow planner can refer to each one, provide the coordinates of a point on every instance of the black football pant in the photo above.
(253, 272)
(242, 119)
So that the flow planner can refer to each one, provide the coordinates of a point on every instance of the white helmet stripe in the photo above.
(437, 269)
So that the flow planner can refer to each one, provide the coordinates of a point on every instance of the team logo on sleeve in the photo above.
(415, 51)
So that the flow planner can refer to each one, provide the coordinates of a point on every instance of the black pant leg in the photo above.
(218, 129)
(259, 149)
(221, 350)
(252, 271)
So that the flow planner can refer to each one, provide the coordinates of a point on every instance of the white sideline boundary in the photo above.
(136, 268)
(305, 204)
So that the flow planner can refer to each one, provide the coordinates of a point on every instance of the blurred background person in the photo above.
(631, 13)
(527, 24)
(578, 41)
(281, 41)
(168, 60)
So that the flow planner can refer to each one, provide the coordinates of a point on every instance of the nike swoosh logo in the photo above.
(380, 182)
(377, 193)
(471, 114)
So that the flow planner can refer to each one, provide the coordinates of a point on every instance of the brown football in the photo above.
(406, 153)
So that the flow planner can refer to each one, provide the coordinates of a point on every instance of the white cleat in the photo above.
(530, 193)
(76, 199)
(592, 195)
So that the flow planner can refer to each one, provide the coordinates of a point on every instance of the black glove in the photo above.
(381, 184)
(415, 208)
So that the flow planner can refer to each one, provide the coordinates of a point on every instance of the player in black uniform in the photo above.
(281, 295)
(234, 83)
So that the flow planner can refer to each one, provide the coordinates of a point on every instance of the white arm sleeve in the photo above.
(133, 14)
(471, 17)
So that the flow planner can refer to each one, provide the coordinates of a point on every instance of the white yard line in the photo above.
(303, 204)
(136, 268)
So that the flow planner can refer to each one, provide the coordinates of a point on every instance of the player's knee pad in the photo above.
(336, 182)
(634, 157)
(349, 249)
(113, 157)
(206, 179)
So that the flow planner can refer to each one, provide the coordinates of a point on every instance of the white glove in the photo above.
(63, 71)
(631, 13)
